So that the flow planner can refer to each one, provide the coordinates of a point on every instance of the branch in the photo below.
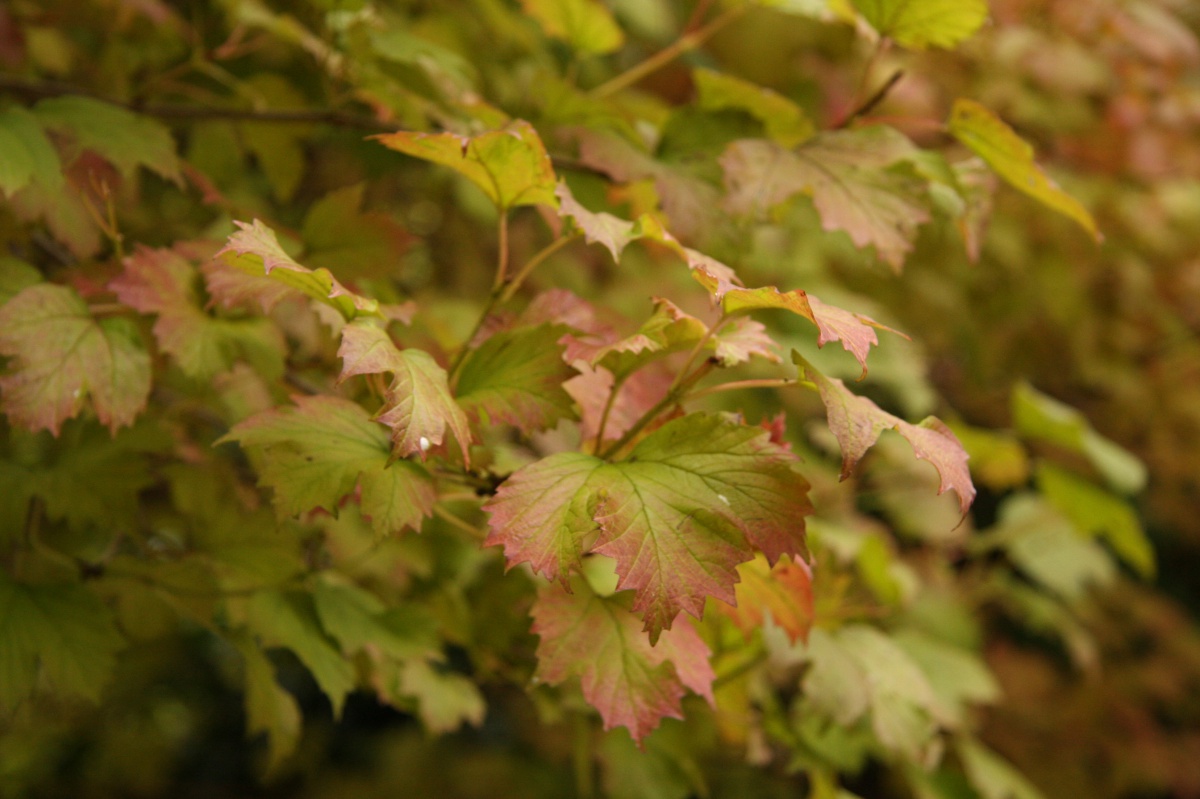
(868, 105)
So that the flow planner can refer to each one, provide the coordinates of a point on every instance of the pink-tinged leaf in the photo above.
(315, 453)
(163, 282)
(541, 515)
(743, 339)
(848, 177)
(636, 395)
(597, 228)
(61, 357)
(631, 683)
(562, 307)
(255, 251)
(693, 500)
(418, 405)
(784, 592)
(855, 331)
(516, 377)
(856, 422)
(510, 165)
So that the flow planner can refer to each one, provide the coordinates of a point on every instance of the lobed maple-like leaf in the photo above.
(693, 500)
(856, 422)
(630, 682)
(587, 25)
(162, 282)
(124, 138)
(418, 405)
(26, 154)
(510, 165)
(516, 377)
(1012, 158)
(636, 394)
(612, 232)
(62, 356)
(848, 177)
(316, 452)
(255, 251)
(783, 591)
(923, 23)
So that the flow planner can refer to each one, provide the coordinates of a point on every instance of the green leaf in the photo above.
(1094, 511)
(270, 709)
(62, 356)
(597, 228)
(1011, 157)
(856, 422)
(357, 619)
(16, 275)
(126, 139)
(339, 235)
(991, 775)
(785, 122)
(584, 24)
(510, 165)
(61, 637)
(957, 676)
(516, 377)
(445, 700)
(278, 148)
(923, 23)
(163, 282)
(1043, 418)
(690, 503)
(848, 176)
(630, 682)
(289, 619)
(254, 250)
(315, 453)
(418, 405)
(26, 154)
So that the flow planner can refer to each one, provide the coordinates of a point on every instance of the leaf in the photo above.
(846, 173)
(1012, 158)
(418, 406)
(785, 122)
(1043, 418)
(278, 148)
(445, 701)
(288, 619)
(126, 139)
(584, 24)
(631, 683)
(957, 676)
(62, 356)
(922, 23)
(316, 452)
(597, 228)
(856, 422)
(339, 235)
(269, 708)
(26, 154)
(16, 275)
(61, 636)
(162, 282)
(991, 775)
(1094, 511)
(784, 593)
(516, 377)
(678, 515)
(254, 250)
(637, 394)
(510, 165)
(359, 620)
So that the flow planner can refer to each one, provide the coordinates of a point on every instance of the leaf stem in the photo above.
(758, 658)
(581, 755)
(685, 43)
(455, 521)
(608, 406)
(502, 255)
(766, 382)
(696, 350)
(674, 395)
(533, 263)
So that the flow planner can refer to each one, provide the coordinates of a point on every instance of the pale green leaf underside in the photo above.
(923, 23)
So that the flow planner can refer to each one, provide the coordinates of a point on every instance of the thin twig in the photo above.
(766, 382)
(874, 100)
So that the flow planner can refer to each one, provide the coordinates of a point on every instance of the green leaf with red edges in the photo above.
(163, 282)
(848, 176)
(784, 592)
(60, 636)
(418, 405)
(62, 356)
(1011, 157)
(315, 453)
(254, 250)
(918, 24)
(516, 377)
(692, 500)
(785, 122)
(587, 25)
(510, 165)
(631, 683)
(856, 422)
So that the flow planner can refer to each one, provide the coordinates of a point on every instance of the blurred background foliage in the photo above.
(1042, 628)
